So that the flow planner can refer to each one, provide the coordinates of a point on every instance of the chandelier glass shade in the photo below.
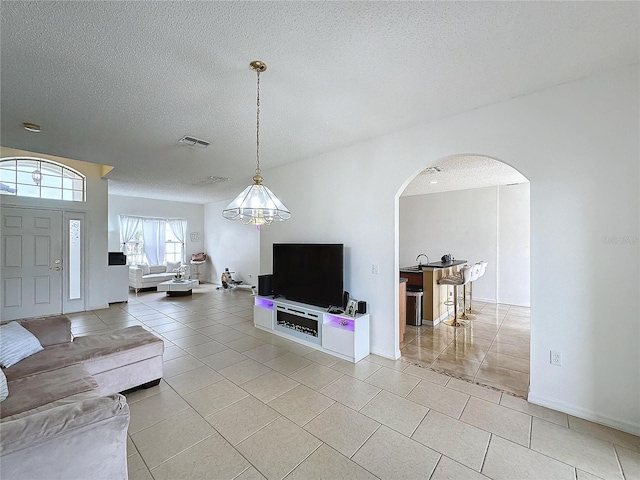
(257, 205)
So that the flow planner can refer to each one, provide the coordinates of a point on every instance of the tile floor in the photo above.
(493, 350)
(240, 403)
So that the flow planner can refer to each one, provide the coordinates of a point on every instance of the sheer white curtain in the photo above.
(128, 228)
(179, 229)
(153, 231)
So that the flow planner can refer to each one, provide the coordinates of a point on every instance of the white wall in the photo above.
(95, 209)
(231, 245)
(578, 144)
(490, 224)
(463, 223)
(145, 207)
(514, 245)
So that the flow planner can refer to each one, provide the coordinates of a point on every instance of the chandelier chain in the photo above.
(258, 126)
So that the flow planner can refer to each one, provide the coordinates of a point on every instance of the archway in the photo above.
(476, 208)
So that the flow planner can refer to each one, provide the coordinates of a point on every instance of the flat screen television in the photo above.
(309, 273)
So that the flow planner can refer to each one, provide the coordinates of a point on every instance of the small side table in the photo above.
(196, 268)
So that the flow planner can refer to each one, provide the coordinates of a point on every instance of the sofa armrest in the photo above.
(49, 330)
(46, 444)
(135, 277)
(135, 273)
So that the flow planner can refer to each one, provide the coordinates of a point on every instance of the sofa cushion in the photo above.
(157, 269)
(36, 390)
(145, 268)
(58, 424)
(16, 343)
(49, 330)
(173, 266)
(98, 353)
(155, 277)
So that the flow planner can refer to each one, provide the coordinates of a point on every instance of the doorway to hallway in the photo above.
(475, 208)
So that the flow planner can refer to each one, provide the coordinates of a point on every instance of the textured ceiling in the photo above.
(120, 83)
(463, 172)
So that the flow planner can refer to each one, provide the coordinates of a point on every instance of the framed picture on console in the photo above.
(352, 308)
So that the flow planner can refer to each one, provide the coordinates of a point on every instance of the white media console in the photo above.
(336, 334)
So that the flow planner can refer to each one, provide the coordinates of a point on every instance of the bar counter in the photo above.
(427, 276)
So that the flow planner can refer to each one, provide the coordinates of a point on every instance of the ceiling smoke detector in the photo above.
(194, 142)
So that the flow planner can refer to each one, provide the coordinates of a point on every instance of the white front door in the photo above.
(31, 270)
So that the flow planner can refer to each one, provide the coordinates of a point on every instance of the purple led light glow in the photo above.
(340, 322)
(264, 303)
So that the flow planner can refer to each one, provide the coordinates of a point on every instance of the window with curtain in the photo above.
(155, 241)
(134, 248)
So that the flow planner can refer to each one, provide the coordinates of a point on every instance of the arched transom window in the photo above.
(35, 177)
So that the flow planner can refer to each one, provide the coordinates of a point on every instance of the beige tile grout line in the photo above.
(486, 451)
(618, 460)
(436, 466)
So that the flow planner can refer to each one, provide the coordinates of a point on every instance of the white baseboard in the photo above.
(441, 318)
(384, 355)
(616, 423)
(485, 300)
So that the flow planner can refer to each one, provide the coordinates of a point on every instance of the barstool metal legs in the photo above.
(454, 321)
(464, 315)
(470, 309)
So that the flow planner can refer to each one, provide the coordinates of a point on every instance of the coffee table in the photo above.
(175, 289)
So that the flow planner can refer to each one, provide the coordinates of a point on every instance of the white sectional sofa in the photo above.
(139, 278)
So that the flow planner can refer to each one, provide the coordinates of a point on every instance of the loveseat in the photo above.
(147, 276)
(63, 417)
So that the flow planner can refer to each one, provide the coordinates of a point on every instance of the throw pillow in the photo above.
(4, 389)
(172, 266)
(16, 343)
(51, 330)
(145, 268)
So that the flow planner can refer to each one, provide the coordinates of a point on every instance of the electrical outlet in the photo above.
(556, 358)
(374, 269)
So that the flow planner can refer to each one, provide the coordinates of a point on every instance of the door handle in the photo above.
(57, 269)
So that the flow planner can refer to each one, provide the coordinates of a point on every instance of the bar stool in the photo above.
(482, 267)
(457, 279)
(473, 276)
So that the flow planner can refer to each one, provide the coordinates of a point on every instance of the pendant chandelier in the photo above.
(257, 205)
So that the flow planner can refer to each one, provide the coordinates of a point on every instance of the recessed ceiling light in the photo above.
(433, 181)
(31, 127)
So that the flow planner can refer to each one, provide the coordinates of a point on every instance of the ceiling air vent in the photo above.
(194, 142)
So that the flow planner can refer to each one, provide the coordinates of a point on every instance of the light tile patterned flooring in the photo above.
(492, 350)
(240, 403)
